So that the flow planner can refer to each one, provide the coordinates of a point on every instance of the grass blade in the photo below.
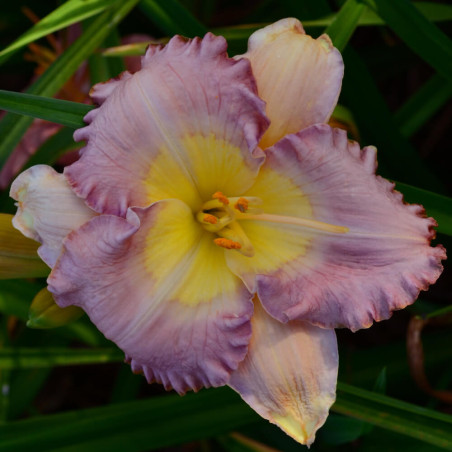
(172, 18)
(426, 425)
(67, 14)
(170, 420)
(396, 156)
(26, 358)
(344, 24)
(437, 206)
(423, 105)
(424, 38)
(62, 112)
(12, 127)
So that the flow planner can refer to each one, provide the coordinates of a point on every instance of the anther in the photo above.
(242, 205)
(227, 243)
(221, 197)
(208, 218)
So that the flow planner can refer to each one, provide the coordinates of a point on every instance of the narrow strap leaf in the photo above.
(344, 24)
(423, 37)
(68, 13)
(62, 112)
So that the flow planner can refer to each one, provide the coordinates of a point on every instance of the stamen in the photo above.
(242, 205)
(221, 197)
(208, 218)
(227, 243)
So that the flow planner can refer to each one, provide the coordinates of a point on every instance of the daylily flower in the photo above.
(216, 246)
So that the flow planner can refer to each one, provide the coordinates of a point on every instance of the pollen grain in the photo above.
(242, 205)
(212, 219)
(221, 197)
(227, 243)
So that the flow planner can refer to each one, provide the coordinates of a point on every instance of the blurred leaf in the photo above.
(53, 148)
(437, 206)
(15, 299)
(344, 24)
(67, 14)
(24, 358)
(18, 254)
(45, 313)
(440, 312)
(424, 38)
(101, 68)
(340, 429)
(133, 426)
(238, 33)
(62, 112)
(127, 385)
(396, 156)
(426, 425)
(423, 104)
(12, 126)
(164, 421)
(236, 442)
(380, 382)
(343, 118)
(172, 18)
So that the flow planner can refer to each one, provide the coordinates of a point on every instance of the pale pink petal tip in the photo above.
(181, 345)
(378, 266)
(189, 88)
(289, 374)
(48, 210)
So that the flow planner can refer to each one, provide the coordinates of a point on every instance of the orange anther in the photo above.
(222, 198)
(212, 219)
(242, 205)
(227, 243)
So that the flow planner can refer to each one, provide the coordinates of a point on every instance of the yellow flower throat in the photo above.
(220, 215)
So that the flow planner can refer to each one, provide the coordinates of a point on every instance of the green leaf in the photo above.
(426, 425)
(339, 429)
(423, 104)
(170, 420)
(434, 12)
(344, 24)
(172, 18)
(133, 426)
(440, 312)
(437, 206)
(26, 358)
(396, 156)
(424, 38)
(12, 127)
(54, 147)
(15, 299)
(62, 112)
(68, 13)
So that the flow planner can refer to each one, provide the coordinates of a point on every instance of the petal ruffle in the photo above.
(156, 285)
(289, 374)
(48, 210)
(341, 279)
(297, 76)
(182, 127)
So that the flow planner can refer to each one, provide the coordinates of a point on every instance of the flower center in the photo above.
(220, 215)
